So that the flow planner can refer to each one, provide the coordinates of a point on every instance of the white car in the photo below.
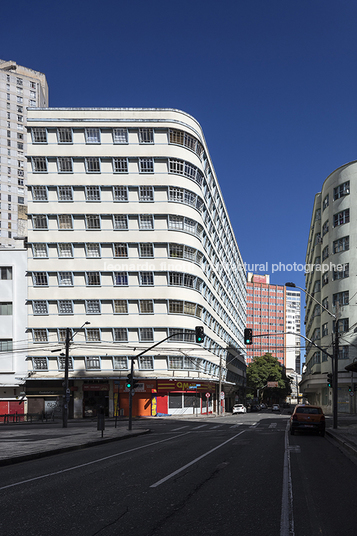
(276, 407)
(239, 408)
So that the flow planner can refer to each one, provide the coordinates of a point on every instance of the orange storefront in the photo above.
(166, 397)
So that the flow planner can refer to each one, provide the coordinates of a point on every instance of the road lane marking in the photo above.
(236, 425)
(217, 426)
(166, 478)
(181, 428)
(273, 425)
(201, 426)
(287, 518)
(253, 425)
(90, 463)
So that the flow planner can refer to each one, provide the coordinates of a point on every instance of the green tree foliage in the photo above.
(266, 369)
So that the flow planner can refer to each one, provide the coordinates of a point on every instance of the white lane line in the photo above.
(236, 425)
(273, 425)
(287, 518)
(181, 428)
(159, 482)
(201, 426)
(217, 426)
(253, 425)
(90, 463)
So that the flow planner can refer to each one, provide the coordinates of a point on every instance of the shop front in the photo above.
(184, 397)
(95, 398)
(142, 398)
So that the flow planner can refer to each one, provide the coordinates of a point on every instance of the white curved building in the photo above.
(128, 230)
(331, 259)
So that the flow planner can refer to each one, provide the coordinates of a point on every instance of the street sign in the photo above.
(222, 395)
(208, 395)
(272, 384)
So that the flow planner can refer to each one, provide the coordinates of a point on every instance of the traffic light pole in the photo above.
(335, 376)
(131, 396)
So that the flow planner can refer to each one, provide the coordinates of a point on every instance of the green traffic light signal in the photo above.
(329, 379)
(200, 334)
(248, 335)
(129, 382)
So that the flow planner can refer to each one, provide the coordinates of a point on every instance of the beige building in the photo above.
(129, 243)
(20, 88)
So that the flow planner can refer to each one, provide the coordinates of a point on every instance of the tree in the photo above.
(266, 369)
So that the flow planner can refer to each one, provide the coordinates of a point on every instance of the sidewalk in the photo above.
(24, 441)
(346, 433)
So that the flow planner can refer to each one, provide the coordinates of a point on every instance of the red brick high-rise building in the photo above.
(266, 317)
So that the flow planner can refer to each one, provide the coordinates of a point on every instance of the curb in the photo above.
(59, 450)
(351, 448)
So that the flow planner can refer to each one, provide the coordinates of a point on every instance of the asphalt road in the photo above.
(234, 475)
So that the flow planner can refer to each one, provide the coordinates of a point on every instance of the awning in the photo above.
(352, 367)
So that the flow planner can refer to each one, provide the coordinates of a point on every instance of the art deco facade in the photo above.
(128, 232)
(331, 281)
(20, 88)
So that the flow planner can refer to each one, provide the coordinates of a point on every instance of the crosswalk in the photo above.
(222, 426)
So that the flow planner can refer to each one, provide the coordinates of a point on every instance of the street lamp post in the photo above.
(334, 356)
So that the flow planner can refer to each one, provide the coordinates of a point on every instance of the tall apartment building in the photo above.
(266, 307)
(292, 326)
(331, 285)
(20, 88)
(130, 242)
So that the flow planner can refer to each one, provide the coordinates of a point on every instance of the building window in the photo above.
(92, 222)
(92, 334)
(343, 352)
(39, 193)
(146, 222)
(120, 222)
(120, 335)
(341, 191)
(93, 279)
(65, 307)
(65, 279)
(179, 137)
(341, 217)
(65, 250)
(120, 363)
(324, 279)
(40, 307)
(39, 221)
(120, 165)
(325, 253)
(40, 279)
(93, 307)
(341, 297)
(93, 250)
(146, 278)
(325, 203)
(146, 250)
(180, 167)
(92, 135)
(146, 307)
(146, 165)
(61, 362)
(120, 135)
(39, 335)
(120, 250)
(341, 273)
(325, 303)
(146, 362)
(175, 306)
(39, 164)
(92, 193)
(120, 307)
(6, 272)
(92, 165)
(39, 250)
(65, 222)
(146, 193)
(5, 345)
(93, 363)
(21, 200)
(120, 279)
(64, 135)
(324, 329)
(146, 334)
(5, 308)
(343, 325)
(146, 135)
(39, 363)
(65, 193)
(65, 164)
(120, 193)
(39, 135)
(325, 228)
(342, 244)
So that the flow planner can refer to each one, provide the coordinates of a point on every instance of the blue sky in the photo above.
(272, 83)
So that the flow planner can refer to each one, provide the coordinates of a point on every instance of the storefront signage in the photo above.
(96, 387)
(184, 385)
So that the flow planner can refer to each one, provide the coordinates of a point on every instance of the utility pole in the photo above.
(66, 395)
(335, 371)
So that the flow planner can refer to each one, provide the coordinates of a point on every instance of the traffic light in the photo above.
(135, 384)
(329, 379)
(129, 382)
(248, 335)
(200, 334)
(350, 388)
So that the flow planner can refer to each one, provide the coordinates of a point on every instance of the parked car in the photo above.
(275, 407)
(307, 418)
(263, 406)
(254, 408)
(239, 408)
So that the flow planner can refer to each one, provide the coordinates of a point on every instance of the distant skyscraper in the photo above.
(271, 312)
(20, 88)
